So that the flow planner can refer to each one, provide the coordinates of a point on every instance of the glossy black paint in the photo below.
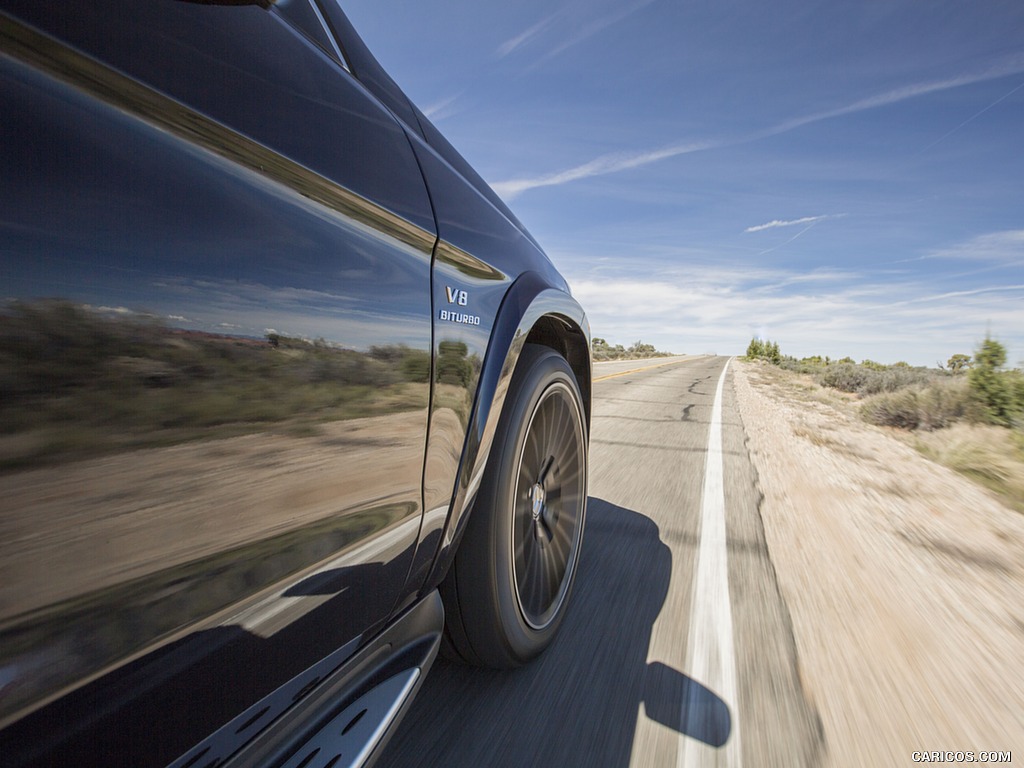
(241, 66)
(123, 229)
(239, 436)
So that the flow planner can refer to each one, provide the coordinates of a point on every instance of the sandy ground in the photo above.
(905, 581)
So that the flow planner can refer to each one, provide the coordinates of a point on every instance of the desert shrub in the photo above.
(925, 408)
(816, 360)
(943, 404)
(845, 377)
(893, 379)
(798, 366)
(893, 409)
(640, 350)
(872, 380)
(602, 350)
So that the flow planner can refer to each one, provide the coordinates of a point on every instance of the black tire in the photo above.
(508, 589)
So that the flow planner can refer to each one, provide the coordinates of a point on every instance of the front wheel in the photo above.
(507, 591)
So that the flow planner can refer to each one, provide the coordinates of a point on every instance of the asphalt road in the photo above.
(677, 650)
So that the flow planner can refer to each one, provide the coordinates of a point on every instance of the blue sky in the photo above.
(845, 178)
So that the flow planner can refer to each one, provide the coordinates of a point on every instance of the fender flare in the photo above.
(529, 300)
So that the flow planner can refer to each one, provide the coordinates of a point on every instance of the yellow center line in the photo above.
(642, 368)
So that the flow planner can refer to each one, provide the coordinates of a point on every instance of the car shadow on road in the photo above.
(578, 704)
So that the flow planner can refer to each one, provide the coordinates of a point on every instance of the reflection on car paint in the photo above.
(206, 399)
(120, 434)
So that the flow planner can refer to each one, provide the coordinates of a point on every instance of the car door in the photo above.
(215, 341)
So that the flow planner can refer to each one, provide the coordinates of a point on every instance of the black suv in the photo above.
(289, 399)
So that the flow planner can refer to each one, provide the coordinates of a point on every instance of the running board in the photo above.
(345, 721)
(349, 739)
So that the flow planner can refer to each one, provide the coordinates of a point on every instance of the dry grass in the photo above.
(988, 455)
(802, 387)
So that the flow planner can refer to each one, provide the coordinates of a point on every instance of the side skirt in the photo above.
(346, 719)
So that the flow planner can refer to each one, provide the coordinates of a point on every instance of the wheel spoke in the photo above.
(548, 505)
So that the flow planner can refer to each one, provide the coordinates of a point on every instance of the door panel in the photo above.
(214, 363)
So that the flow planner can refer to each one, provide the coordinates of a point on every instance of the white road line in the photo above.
(711, 658)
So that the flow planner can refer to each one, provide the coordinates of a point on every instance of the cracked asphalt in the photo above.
(616, 689)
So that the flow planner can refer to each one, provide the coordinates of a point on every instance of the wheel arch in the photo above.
(573, 343)
(535, 312)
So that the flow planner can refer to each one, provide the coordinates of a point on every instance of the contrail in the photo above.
(969, 119)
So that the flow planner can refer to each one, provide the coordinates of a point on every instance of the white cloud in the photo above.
(611, 163)
(830, 312)
(1018, 289)
(1007, 245)
(776, 223)
(524, 37)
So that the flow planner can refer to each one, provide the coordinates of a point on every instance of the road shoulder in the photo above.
(903, 581)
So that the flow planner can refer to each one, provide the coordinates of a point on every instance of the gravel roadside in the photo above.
(905, 581)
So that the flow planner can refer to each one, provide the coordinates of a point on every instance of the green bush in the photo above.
(993, 389)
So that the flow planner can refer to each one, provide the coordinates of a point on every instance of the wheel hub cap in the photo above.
(539, 497)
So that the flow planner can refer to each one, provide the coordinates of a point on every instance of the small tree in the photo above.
(764, 350)
(755, 349)
(959, 363)
(988, 385)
